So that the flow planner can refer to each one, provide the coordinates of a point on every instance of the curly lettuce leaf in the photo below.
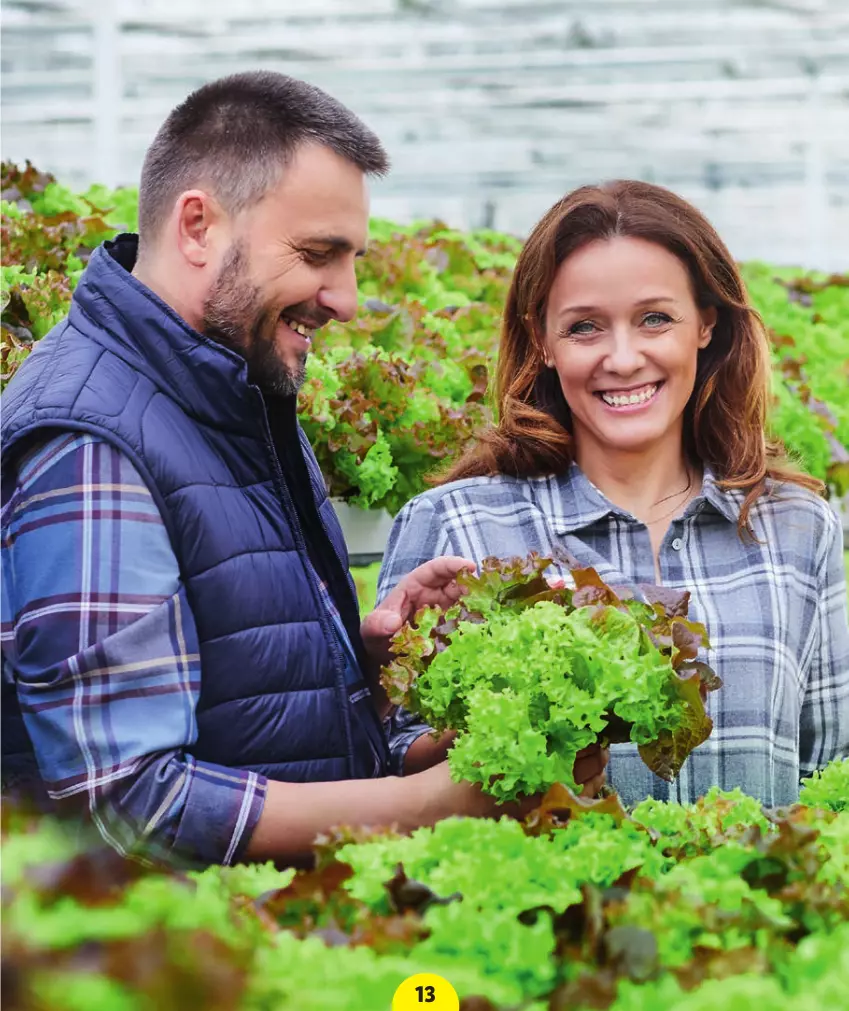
(529, 674)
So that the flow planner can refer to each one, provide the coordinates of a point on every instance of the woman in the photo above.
(632, 390)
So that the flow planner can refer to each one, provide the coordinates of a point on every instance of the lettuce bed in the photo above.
(585, 906)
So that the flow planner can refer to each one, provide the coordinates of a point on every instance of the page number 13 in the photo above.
(425, 990)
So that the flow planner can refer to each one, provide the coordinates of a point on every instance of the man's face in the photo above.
(290, 268)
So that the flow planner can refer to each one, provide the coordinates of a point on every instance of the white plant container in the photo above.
(366, 531)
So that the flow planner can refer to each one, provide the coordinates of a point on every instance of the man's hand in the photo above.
(589, 769)
(434, 583)
(469, 799)
(446, 799)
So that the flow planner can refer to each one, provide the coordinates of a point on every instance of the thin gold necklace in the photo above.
(675, 495)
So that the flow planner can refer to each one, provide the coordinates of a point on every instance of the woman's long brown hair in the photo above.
(725, 418)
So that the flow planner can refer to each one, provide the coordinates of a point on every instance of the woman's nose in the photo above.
(625, 355)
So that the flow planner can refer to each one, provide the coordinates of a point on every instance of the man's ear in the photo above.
(709, 317)
(199, 219)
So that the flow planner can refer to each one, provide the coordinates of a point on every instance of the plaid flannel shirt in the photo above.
(775, 611)
(100, 642)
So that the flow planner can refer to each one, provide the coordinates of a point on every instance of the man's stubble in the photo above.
(233, 316)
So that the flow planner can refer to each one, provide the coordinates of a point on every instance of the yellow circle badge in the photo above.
(425, 992)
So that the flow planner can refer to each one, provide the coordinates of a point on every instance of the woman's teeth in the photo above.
(634, 397)
(304, 331)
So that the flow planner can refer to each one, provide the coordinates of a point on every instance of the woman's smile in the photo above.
(632, 399)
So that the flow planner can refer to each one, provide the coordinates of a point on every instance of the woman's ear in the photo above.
(709, 317)
(545, 353)
(535, 331)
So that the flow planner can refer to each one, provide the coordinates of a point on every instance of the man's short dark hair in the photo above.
(235, 135)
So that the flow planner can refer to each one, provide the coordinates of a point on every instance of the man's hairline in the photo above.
(286, 160)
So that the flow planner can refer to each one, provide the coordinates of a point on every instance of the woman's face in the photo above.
(623, 331)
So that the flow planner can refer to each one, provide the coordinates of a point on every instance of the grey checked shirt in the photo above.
(775, 611)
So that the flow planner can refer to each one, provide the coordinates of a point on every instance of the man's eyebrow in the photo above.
(337, 242)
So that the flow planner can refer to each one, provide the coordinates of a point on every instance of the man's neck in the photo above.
(165, 285)
(638, 481)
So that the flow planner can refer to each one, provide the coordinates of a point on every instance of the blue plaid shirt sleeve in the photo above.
(824, 721)
(100, 643)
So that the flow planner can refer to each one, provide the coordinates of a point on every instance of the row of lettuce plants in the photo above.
(583, 906)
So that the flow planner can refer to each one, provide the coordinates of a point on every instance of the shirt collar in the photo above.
(726, 503)
(572, 501)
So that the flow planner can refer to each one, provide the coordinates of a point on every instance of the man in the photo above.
(182, 650)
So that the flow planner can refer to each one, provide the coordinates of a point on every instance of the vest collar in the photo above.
(113, 308)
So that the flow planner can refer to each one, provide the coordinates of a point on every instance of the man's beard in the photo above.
(233, 316)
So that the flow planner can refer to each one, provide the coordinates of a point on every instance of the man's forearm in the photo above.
(295, 813)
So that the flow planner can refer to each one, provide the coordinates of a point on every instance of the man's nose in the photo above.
(339, 295)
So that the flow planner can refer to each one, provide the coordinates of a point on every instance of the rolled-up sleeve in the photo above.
(403, 729)
(101, 645)
(824, 723)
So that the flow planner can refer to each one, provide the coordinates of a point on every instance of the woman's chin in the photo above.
(632, 435)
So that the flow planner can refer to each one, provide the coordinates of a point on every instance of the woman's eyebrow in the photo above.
(652, 300)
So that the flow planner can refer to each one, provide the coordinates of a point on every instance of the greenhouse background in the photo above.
(686, 899)
(491, 109)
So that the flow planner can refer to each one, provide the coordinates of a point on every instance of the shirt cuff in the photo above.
(222, 808)
(402, 728)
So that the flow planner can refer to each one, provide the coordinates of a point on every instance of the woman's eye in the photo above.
(656, 319)
(583, 328)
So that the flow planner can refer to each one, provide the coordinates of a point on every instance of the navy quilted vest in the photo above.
(126, 367)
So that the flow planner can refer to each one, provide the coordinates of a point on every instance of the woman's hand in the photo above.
(432, 584)
(425, 752)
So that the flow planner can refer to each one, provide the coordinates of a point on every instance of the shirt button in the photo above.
(677, 544)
